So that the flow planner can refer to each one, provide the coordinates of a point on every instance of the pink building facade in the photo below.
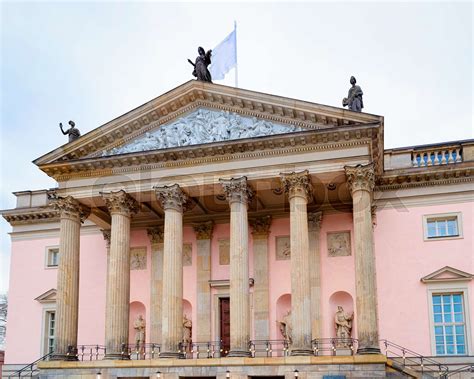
(418, 284)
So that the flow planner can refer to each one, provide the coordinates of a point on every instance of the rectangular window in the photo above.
(53, 257)
(442, 226)
(50, 326)
(449, 324)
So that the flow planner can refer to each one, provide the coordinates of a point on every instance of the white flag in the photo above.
(224, 57)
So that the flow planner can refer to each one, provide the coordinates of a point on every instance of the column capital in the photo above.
(360, 177)
(297, 183)
(261, 226)
(120, 202)
(156, 234)
(314, 220)
(172, 197)
(106, 233)
(68, 207)
(204, 230)
(237, 189)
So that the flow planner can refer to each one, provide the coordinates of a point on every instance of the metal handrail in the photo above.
(413, 360)
(468, 368)
(330, 346)
(29, 366)
(268, 348)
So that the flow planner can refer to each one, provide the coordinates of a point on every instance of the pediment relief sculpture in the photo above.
(203, 126)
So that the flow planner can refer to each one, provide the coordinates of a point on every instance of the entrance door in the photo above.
(224, 307)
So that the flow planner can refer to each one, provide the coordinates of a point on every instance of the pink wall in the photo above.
(403, 258)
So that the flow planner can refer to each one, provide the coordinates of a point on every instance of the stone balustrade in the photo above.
(437, 156)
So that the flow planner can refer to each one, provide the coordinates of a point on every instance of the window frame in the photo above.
(445, 288)
(47, 257)
(47, 309)
(442, 216)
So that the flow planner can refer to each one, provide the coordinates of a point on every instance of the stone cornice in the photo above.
(121, 202)
(237, 190)
(195, 94)
(70, 208)
(360, 177)
(291, 143)
(172, 197)
(27, 216)
(297, 184)
(204, 230)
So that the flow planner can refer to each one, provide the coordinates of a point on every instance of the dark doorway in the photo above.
(224, 310)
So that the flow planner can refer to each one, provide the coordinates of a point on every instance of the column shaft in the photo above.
(121, 207)
(172, 322)
(238, 194)
(156, 282)
(67, 303)
(299, 191)
(361, 182)
(314, 224)
(173, 201)
(260, 233)
(204, 236)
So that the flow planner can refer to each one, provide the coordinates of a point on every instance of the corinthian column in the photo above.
(298, 187)
(71, 214)
(261, 230)
(238, 195)
(203, 235)
(173, 200)
(314, 226)
(121, 207)
(361, 183)
(156, 238)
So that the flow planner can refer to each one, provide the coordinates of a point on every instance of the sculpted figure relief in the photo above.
(285, 327)
(203, 126)
(139, 326)
(343, 324)
(72, 132)
(200, 67)
(354, 99)
(187, 332)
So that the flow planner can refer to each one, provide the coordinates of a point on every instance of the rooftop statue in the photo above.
(200, 67)
(354, 99)
(72, 132)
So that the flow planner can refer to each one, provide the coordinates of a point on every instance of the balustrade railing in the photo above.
(437, 156)
(414, 361)
(198, 350)
(268, 348)
(334, 346)
(141, 351)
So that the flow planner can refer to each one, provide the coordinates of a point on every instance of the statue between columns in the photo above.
(139, 326)
(285, 327)
(343, 325)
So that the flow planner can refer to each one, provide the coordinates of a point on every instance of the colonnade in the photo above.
(167, 272)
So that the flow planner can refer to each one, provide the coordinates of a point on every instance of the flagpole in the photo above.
(236, 61)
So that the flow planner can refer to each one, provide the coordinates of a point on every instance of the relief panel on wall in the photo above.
(283, 249)
(339, 244)
(187, 254)
(138, 258)
(224, 251)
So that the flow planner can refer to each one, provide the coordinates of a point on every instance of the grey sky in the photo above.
(91, 62)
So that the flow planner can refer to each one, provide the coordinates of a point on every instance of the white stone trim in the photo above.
(445, 288)
(47, 250)
(47, 307)
(457, 215)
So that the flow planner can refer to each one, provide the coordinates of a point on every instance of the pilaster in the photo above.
(156, 236)
(314, 228)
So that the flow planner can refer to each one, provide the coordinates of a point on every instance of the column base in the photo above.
(368, 350)
(239, 353)
(301, 352)
(172, 355)
(116, 356)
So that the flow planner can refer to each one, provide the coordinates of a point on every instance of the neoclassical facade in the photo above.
(237, 224)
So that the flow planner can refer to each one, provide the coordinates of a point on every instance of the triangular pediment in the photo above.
(203, 126)
(242, 113)
(47, 297)
(447, 274)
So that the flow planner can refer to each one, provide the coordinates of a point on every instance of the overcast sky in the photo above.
(93, 61)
